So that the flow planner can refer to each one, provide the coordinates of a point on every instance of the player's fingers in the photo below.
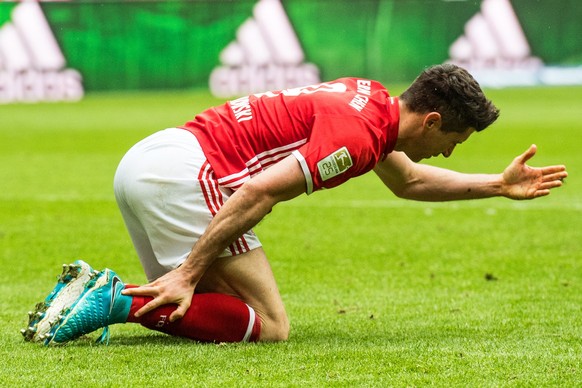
(151, 305)
(541, 193)
(550, 185)
(561, 170)
(141, 291)
(559, 176)
(527, 155)
(179, 312)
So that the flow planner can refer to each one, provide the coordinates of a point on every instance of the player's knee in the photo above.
(275, 329)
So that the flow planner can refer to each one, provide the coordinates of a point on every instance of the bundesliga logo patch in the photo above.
(334, 164)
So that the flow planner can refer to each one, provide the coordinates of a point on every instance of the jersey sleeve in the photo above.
(339, 148)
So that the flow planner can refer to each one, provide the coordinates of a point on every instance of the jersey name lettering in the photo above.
(335, 87)
(241, 109)
(364, 88)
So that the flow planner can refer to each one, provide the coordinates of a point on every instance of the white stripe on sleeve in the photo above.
(306, 172)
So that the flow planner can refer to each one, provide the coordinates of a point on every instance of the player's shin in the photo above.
(211, 318)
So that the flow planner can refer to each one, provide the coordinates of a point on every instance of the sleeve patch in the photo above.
(332, 165)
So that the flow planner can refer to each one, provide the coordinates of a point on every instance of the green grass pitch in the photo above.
(380, 291)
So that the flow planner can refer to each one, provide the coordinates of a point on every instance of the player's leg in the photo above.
(165, 211)
(249, 277)
(140, 241)
(231, 290)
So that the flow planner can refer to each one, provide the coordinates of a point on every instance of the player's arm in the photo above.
(243, 210)
(428, 183)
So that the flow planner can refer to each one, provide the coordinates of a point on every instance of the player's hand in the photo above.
(524, 182)
(175, 287)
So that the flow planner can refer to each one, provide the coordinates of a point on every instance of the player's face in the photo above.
(438, 142)
(451, 139)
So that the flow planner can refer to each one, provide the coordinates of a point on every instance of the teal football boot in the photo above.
(101, 305)
(71, 284)
(79, 305)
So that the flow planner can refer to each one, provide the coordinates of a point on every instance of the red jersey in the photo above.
(337, 130)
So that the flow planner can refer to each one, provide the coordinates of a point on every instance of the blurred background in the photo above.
(63, 50)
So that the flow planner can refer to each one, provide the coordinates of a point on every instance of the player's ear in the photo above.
(432, 121)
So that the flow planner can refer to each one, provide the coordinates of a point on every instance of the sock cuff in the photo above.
(253, 328)
(121, 307)
(136, 303)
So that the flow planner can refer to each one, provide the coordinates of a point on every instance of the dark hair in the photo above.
(451, 91)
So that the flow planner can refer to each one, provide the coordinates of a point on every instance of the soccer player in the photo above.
(190, 197)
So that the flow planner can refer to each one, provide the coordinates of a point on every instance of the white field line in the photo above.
(57, 197)
(321, 202)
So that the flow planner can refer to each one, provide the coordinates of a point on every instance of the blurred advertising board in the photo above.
(32, 65)
(58, 50)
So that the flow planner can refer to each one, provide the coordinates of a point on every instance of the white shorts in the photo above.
(167, 194)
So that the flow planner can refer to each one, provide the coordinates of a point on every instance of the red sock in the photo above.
(210, 318)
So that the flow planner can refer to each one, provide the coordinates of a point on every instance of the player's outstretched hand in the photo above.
(175, 287)
(524, 182)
